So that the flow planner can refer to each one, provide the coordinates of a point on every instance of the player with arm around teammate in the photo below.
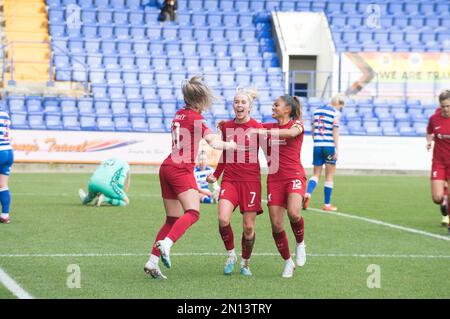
(178, 186)
(438, 130)
(286, 180)
(241, 182)
(325, 134)
(108, 184)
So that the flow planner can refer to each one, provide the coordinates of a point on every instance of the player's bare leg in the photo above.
(312, 183)
(328, 187)
(294, 209)
(248, 241)
(438, 195)
(173, 210)
(276, 214)
(225, 212)
(191, 206)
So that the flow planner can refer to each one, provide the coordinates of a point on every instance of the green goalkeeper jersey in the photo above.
(109, 178)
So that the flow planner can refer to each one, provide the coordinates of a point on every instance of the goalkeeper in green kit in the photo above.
(108, 184)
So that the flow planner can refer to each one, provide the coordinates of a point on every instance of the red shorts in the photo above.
(278, 191)
(245, 194)
(440, 171)
(175, 181)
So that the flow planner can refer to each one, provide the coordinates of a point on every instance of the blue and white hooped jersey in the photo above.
(200, 176)
(324, 119)
(5, 123)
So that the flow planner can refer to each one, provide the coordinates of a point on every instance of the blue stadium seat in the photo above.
(139, 124)
(122, 124)
(223, 63)
(85, 106)
(201, 34)
(226, 5)
(156, 47)
(124, 47)
(135, 108)
(133, 4)
(56, 15)
(53, 122)
(132, 91)
(36, 122)
(242, 5)
(105, 31)
(119, 108)
(117, 4)
(105, 123)
(102, 107)
(99, 90)
(69, 107)
(70, 122)
(57, 30)
(214, 19)
(121, 32)
(230, 19)
(176, 63)
(148, 92)
(136, 18)
(159, 62)
(426, 8)
(170, 33)
(101, 3)
(156, 125)
(195, 5)
(154, 32)
(232, 34)
(257, 5)
(88, 122)
(198, 19)
(172, 48)
(185, 34)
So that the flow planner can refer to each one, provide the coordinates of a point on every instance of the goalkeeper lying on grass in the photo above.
(108, 184)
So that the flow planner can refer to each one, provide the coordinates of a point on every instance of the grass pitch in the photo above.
(51, 230)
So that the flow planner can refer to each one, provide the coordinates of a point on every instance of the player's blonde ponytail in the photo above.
(197, 94)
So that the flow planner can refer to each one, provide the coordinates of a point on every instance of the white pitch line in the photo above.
(223, 254)
(369, 220)
(379, 222)
(13, 286)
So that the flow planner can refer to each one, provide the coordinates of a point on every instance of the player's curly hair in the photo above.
(295, 104)
(444, 95)
(250, 92)
(197, 94)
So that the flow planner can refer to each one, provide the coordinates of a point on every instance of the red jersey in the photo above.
(243, 163)
(439, 126)
(187, 131)
(285, 162)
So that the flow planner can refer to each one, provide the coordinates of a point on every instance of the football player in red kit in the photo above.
(286, 181)
(178, 186)
(438, 130)
(241, 182)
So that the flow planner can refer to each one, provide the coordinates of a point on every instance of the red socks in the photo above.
(165, 229)
(182, 224)
(282, 243)
(299, 230)
(247, 246)
(227, 236)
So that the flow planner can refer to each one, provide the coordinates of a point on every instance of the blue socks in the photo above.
(327, 191)
(311, 185)
(5, 200)
(207, 200)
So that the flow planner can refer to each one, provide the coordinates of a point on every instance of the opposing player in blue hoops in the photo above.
(325, 134)
(201, 172)
(6, 161)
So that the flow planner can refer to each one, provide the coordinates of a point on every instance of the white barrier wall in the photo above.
(356, 152)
